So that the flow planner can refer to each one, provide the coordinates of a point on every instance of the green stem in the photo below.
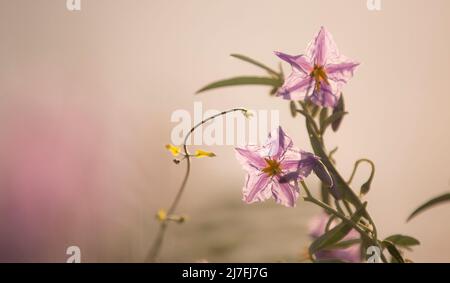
(347, 207)
(156, 247)
(319, 149)
(357, 163)
(309, 198)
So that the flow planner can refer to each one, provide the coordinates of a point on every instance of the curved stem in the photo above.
(156, 247)
(356, 168)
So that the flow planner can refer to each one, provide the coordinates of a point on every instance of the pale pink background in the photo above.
(85, 106)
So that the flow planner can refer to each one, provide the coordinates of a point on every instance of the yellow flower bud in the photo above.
(201, 153)
(175, 150)
(161, 215)
(248, 114)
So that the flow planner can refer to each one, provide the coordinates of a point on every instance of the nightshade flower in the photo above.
(320, 74)
(352, 253)
(267, 165)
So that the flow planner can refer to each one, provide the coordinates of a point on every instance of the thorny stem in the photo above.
(156, 247)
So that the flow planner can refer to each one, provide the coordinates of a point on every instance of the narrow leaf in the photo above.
(339, 108)
(330, 120)
(402, 240)
(323, 116)
(256, 63)
(325, 193)
(293, 109)
(314, 110)
(336, 234)
(435, 201)
(393, 251)
(242, 81)
(273, 91)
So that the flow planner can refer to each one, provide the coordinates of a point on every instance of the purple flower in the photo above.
(350, 254)
(320, 74)
(266, 165)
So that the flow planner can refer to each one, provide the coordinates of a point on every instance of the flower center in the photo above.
(272, 168)
(319, 75)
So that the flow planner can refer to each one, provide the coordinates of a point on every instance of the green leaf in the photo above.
(435, 201)
(325, 193)
(293, 109)
(323, 116)
(339, 108)
(330, 120)
(314, 110)
(273, 91)
(243, 81)
(393, 251)
(402, 240)
(336, 234)
(256, 63)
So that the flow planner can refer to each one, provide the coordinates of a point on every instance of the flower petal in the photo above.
(297, 165)
(285, 193)
(296, 87)
(250, 158)
(278, 144)
(299, 62)
(341, 72)
(327, 95)
(318, 223)
(351, 254)
(322, 49)
(316, 229)
(257, 188)
(291, 160)
(307, 163)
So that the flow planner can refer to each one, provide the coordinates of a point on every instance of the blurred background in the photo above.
(86, 99)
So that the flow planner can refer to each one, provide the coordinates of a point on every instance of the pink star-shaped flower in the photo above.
(320, 74)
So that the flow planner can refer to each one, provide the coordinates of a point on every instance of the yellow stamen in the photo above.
(319, 75)
(273, 167)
